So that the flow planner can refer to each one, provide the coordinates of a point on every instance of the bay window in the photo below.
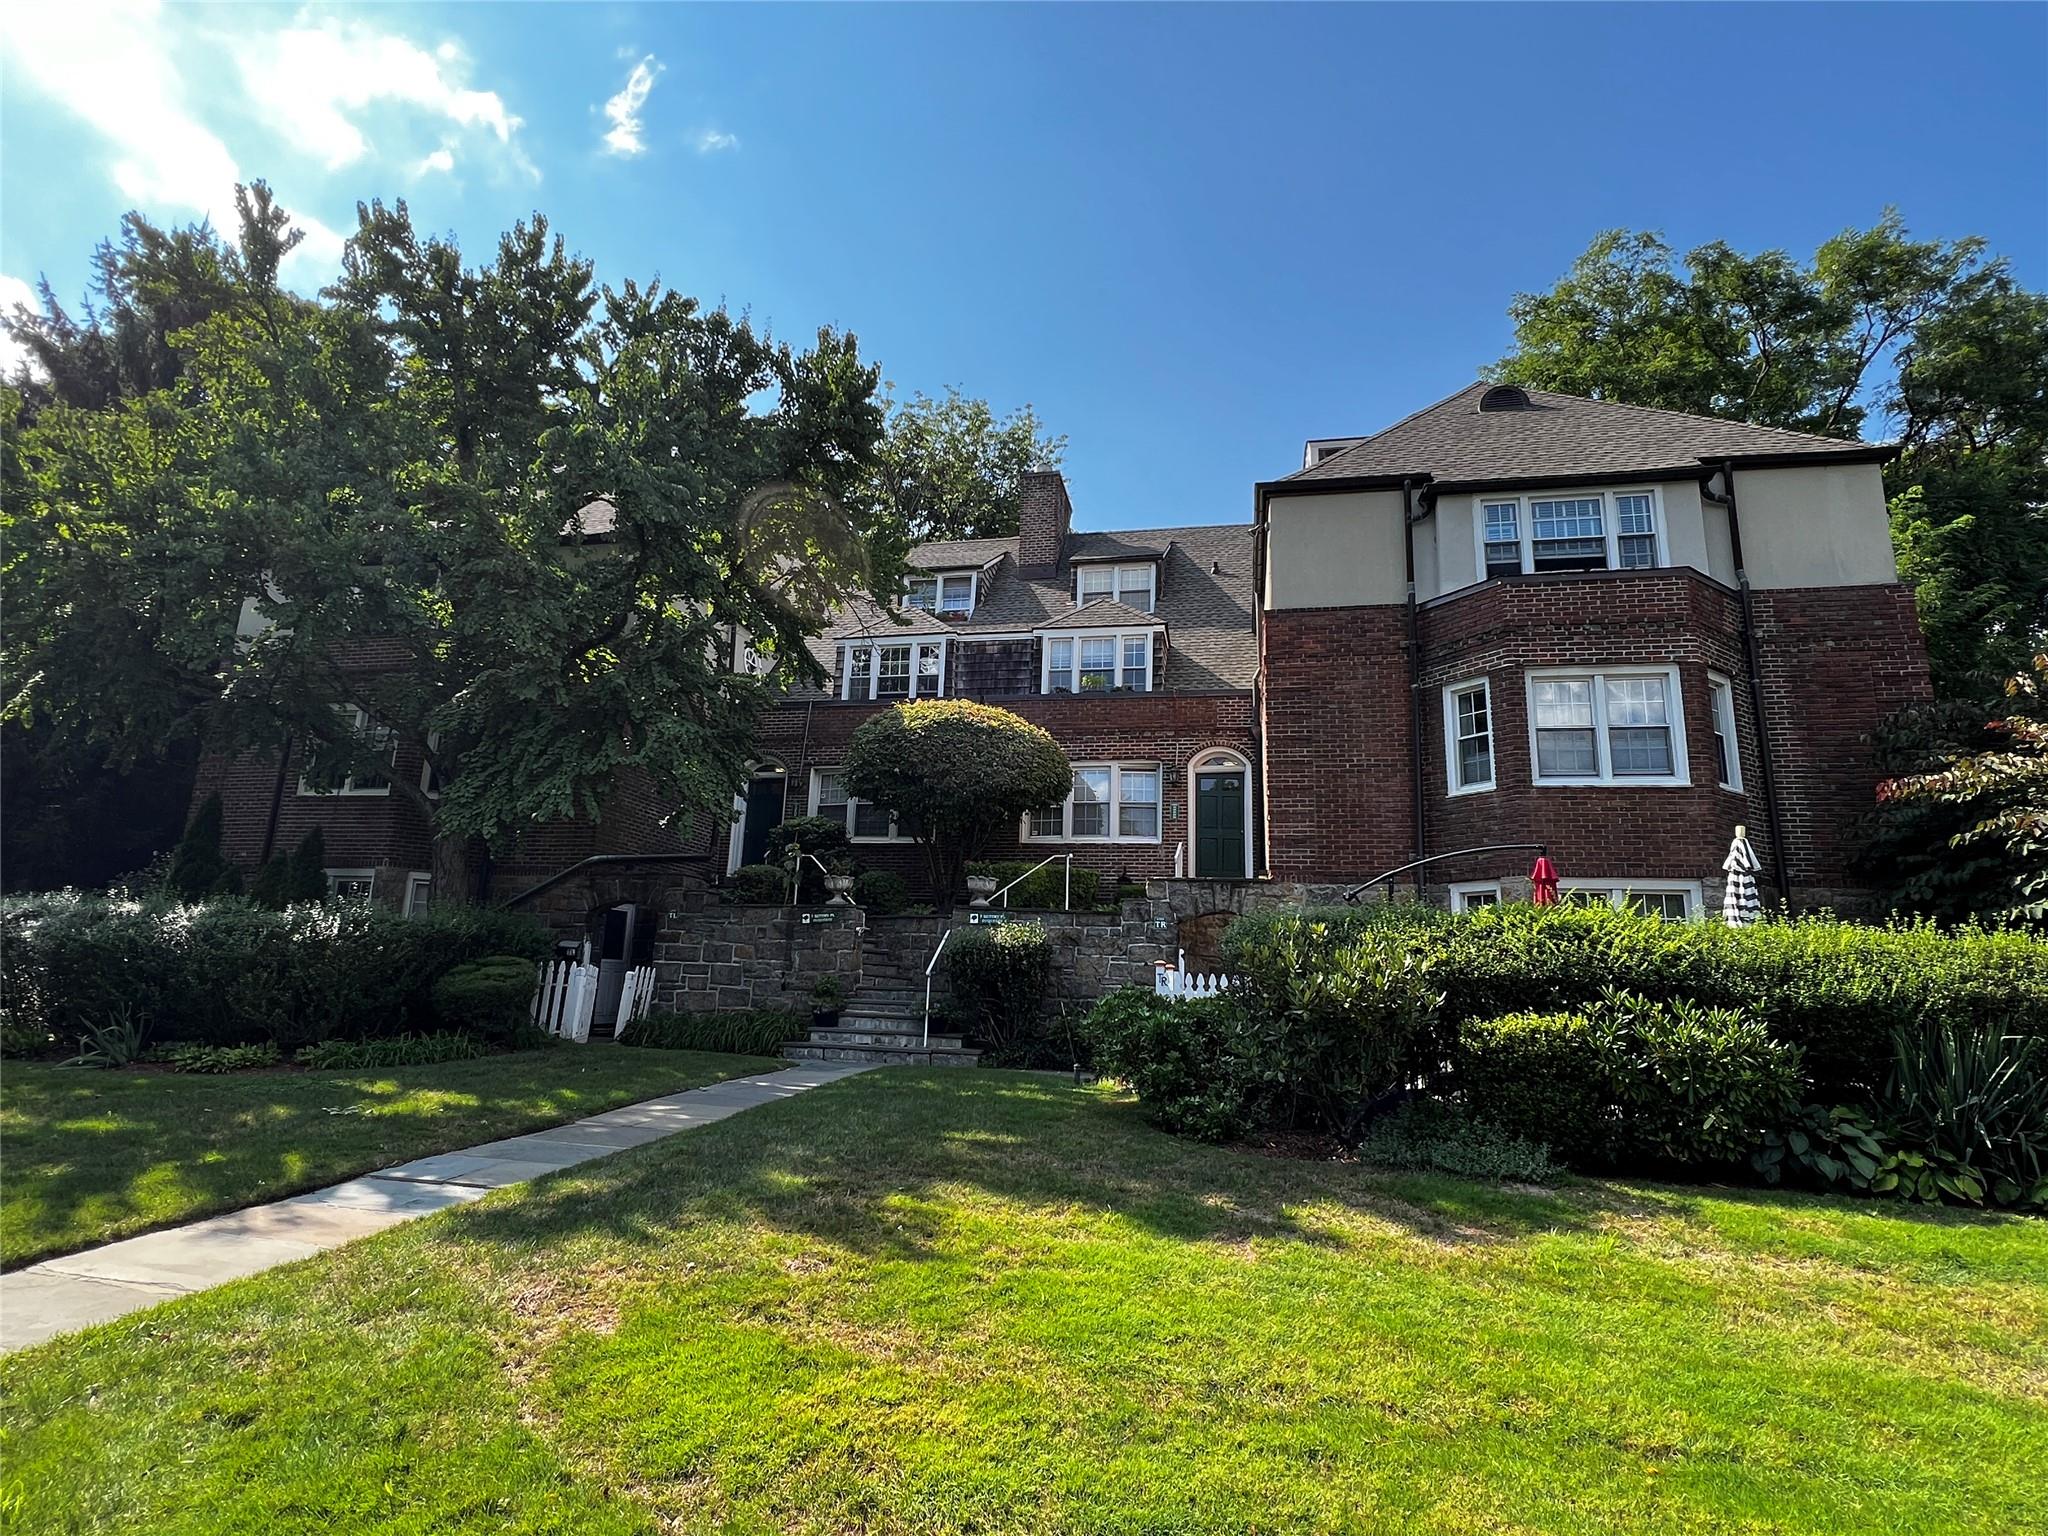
(1606, 727)
(1135, 586)
(1096, 663)
(1576, 531)
(1109, 803)
(1727, 754)
(911, 669)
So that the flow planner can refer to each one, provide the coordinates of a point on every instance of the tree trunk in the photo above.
(453, 868)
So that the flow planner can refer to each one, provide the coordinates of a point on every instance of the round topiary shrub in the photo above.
(491, 998)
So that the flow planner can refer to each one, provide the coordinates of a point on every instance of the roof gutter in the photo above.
(1773, 813)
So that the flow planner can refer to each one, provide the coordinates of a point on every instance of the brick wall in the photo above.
(1170, 729)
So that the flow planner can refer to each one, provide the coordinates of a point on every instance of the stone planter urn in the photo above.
(839, 885)
(979, 889)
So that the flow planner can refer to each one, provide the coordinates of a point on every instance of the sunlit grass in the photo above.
(89, 1156)
(958, 1302)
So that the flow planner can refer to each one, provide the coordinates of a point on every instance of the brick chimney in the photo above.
(1043, 517)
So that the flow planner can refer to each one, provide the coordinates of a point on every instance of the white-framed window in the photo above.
(943, 592)
(1612, 726)
(1135, 586)
(1470, 895)
(1593, 530)
(351, 884)
(1727, 750)
(1468, 736)
(1096, 661)
(865, 822)
(1676, 901)
(430, 777)
(892, 670)
(419, 892)
(363, 779)
(1109, 803)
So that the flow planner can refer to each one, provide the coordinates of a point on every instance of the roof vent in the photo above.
(1505, 397)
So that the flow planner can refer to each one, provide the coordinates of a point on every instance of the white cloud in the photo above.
(623, 110)
(711, 141)
(315, 83)
(14, 291)
(442, 160)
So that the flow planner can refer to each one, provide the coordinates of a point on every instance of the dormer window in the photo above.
(1574, 531)
(1135, 586)
(945, 592)
(871, 672)
(1097, 662)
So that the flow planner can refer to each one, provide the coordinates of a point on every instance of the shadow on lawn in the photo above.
(867, 1164)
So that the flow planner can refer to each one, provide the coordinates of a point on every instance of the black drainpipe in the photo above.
(1414, 680)
(1772, 814)
(284, 758)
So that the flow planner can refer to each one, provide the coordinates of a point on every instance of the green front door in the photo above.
(1219, 825)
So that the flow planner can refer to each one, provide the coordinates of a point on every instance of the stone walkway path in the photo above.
(80, 1289)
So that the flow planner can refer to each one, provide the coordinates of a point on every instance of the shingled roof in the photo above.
(1205, 600)
(1554, 436)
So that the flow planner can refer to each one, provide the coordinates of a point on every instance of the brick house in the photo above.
(1522, 616)
(1512, 617)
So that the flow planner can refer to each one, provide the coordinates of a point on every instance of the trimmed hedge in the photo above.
(760, 885)
(1837, 990)
(490, 998)
(1189, 1062)
(1045, 890)
(228, 972)
(1537, 1075)
(744, 1032)
(998, 976)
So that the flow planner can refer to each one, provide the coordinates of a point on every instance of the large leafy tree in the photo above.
(957, 775)
(1930, 334)
(513, 518)
(951, 468)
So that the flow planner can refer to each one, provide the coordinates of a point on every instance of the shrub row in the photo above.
(746, 1032)
(393, 1051)
(1839, 991)
(227, 972)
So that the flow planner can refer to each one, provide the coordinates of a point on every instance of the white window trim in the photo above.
(1219, 760)
(361, 725)
(1115, 806)
(1119, 636)
(1451, 692)
(853, 804)
(736, 835)
(1721, 705)
(1607, 778)
(872, 676)
(1618, 891)
(427, 767)
(972, 578)
(1462, 889)
(336, 876)
(1525, 525)
(1116, 580)
(416, 884)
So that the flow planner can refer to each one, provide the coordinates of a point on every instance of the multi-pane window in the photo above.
(1468, 735)
(1589, 531)
(1097, 663)
(1607, 728)
(331, 772)
(862, 818)
(913, 669)
(941, 594)
(419, 893)
(1567, 535)
(351, 884)
(1110, 802)
(1674, 902)
(1133, 585)
(1727, 755)
(1472, 895)
(1503, 538)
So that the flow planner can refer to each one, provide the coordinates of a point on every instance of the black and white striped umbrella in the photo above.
(1739, 903)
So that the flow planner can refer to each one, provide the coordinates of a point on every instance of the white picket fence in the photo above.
(565, 998)
(1174, 980)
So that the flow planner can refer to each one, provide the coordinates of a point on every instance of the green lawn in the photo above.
(989, 1302)
(89, 1156)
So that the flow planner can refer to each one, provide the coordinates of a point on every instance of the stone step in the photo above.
(869, 1035)
(881, 1055)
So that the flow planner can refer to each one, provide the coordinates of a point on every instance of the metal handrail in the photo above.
(1455, 853)
(796, 873)
(1034, 869)
(934, 965)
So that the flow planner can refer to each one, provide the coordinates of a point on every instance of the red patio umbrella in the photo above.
(1543, 882)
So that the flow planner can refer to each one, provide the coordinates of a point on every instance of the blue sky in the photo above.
(1191, 237)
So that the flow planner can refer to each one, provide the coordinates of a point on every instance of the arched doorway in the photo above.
(761, 810)
(1220, 790)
